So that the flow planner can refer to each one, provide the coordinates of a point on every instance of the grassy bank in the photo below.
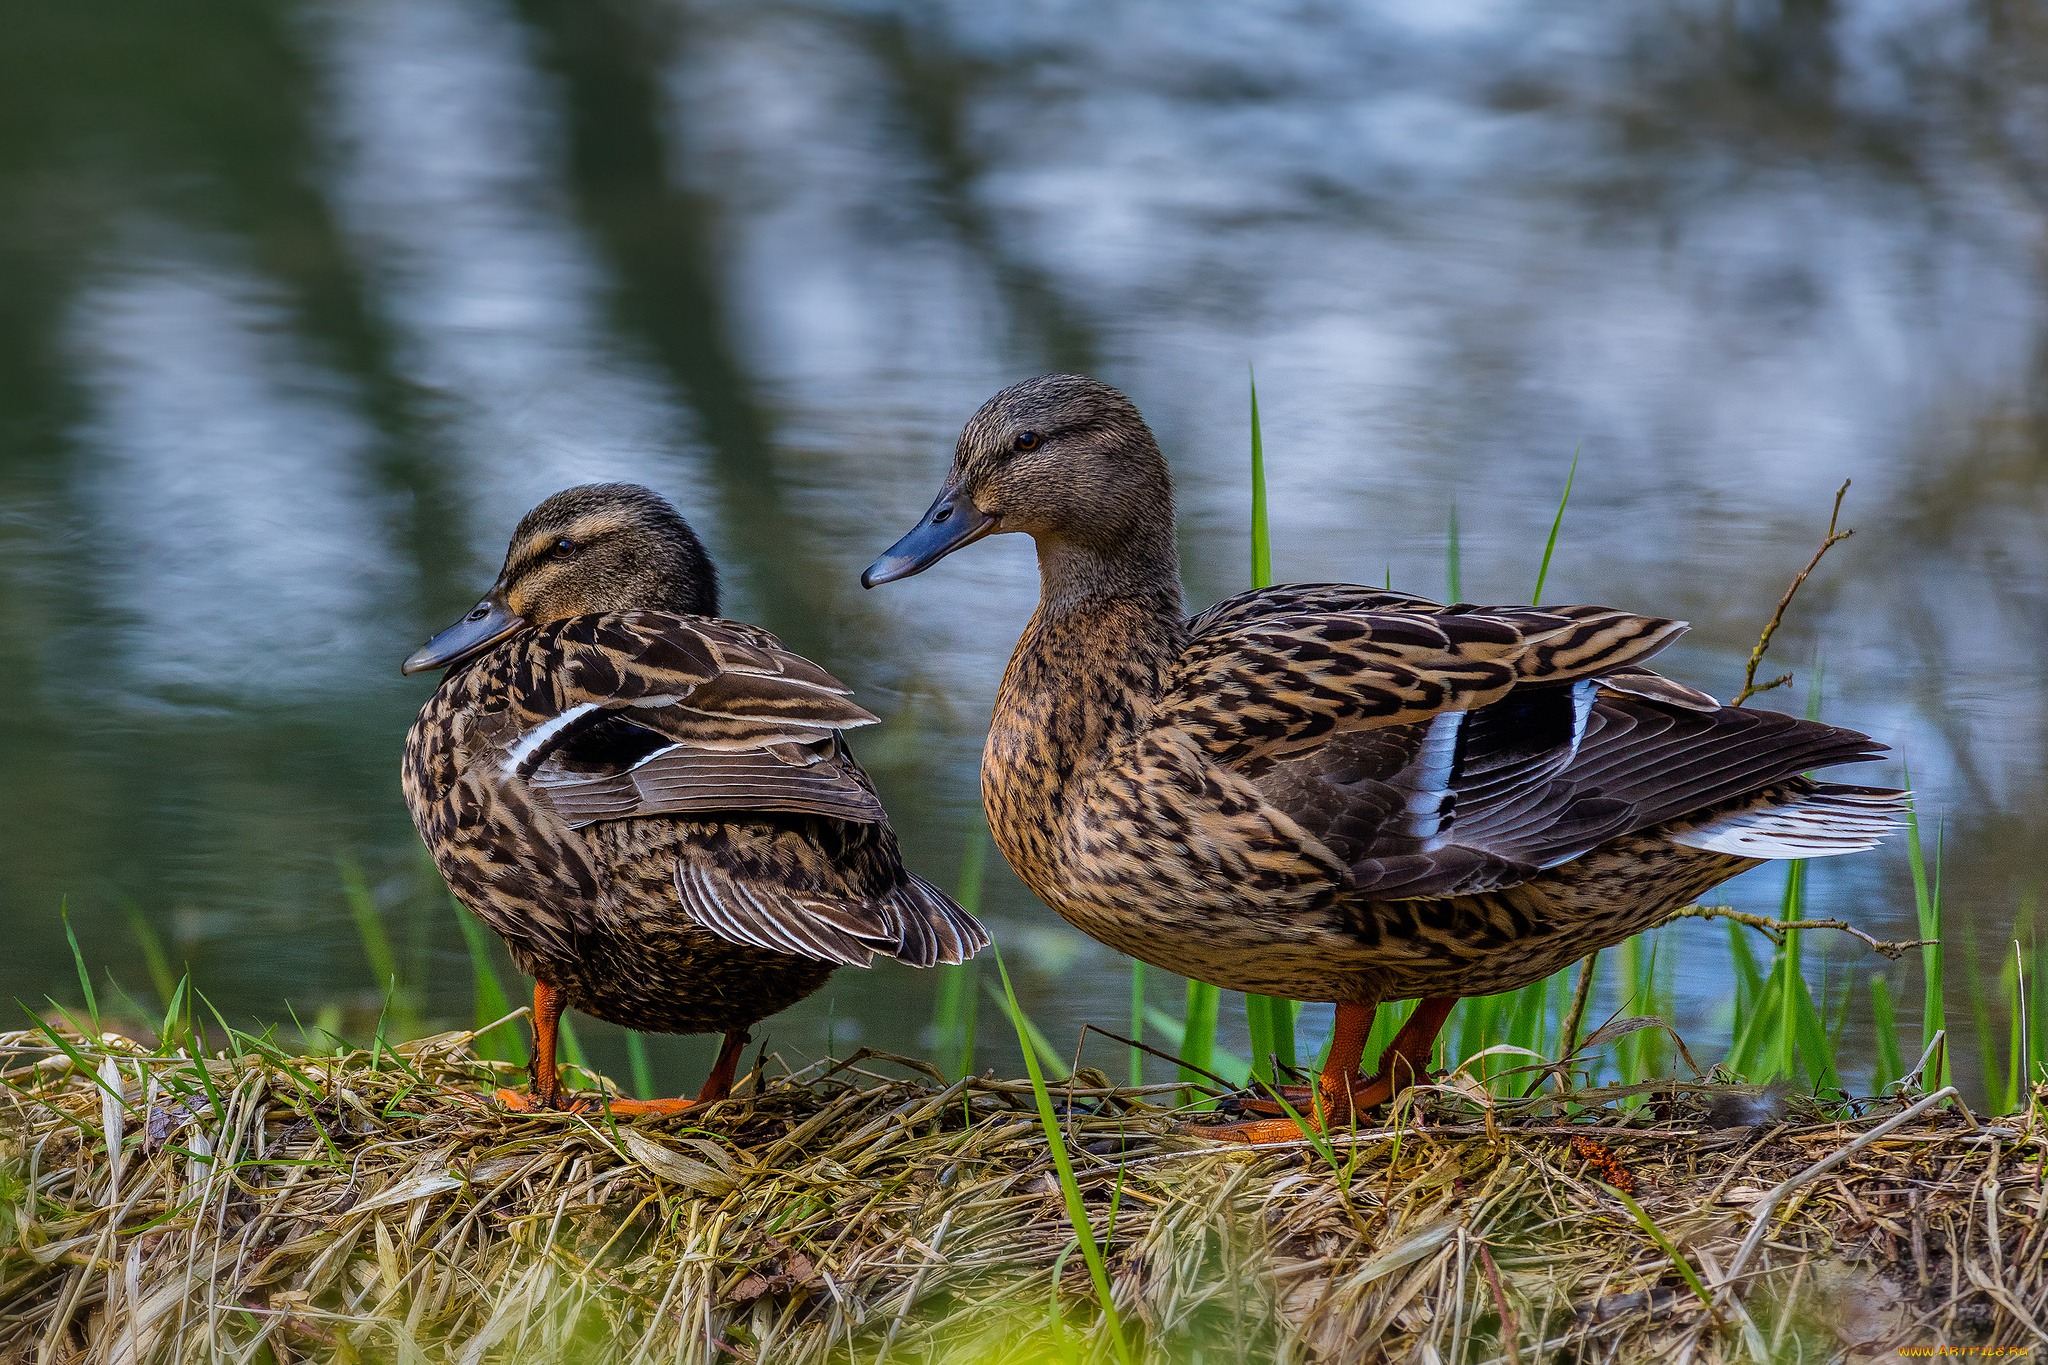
(229, 1200)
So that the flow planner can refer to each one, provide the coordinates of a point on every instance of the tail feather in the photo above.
(1818, 821)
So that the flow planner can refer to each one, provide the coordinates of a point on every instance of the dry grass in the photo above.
(267, 1208)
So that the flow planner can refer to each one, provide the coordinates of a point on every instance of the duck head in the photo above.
(601, 547)
(1066, 460)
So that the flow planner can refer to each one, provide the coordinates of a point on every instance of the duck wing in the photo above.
(1294, 598)
(1424, 746)
(631, 715)
(637, 714)
(1252, 687)
(1428, 777)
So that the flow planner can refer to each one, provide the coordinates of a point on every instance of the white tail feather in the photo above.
(1818, 825)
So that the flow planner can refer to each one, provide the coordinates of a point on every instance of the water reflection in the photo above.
(446, 176)
(243, 551)
(309, 340)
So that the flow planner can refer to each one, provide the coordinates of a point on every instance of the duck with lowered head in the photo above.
(652, 806)
(1338, 793)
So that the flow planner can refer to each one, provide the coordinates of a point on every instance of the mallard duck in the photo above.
(653, 807)
(1337, 793)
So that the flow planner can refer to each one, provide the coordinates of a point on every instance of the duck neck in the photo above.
(1088, 670)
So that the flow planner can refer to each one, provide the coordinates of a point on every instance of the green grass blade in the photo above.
(1271, 1019)
(2012, 984)
(1475, 1027)
(570, 1046)
(1755, 1050)
(1137, 1021)
(970, 1013)
(1550, 546)
(1527, 1019)
(1749, 980)
(369, 924)
(1047, 1054)
(78, 1061)
(2037, 1017)
(489, 1001)
(1884, 1018)
(1056, 1141)
(1791, 983)
(1664, 1242)
(1225, 1063)
(1198, 1033)
(1812, 1038)
(636, 1061)
(377, 947)
(953, 1013)
(1262, 543)
(1980, 1018)
(177, 1025)
(1628, 1050)
(2037, 1014)
(1927, 906)
(152, 945)
(1454, 578)
(1259, 1023)
(92, 1003)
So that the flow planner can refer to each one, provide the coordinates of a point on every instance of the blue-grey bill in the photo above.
(487, 623)
(952, 521)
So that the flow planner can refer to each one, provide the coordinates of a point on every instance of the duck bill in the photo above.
(952, 522)
(487, 623)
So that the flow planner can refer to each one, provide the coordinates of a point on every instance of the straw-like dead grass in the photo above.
(263, 1207)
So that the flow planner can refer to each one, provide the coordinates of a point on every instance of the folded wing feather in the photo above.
(1450, 750)
(655, 714)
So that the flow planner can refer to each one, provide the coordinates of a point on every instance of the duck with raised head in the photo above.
(652, 806)
(1338, 793)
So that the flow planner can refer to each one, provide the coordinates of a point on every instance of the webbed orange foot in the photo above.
(1341, 1093)
(519, 1102)
(634, 1108)
(1343, 1099)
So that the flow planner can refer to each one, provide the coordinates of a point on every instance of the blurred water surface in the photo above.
(302, 304)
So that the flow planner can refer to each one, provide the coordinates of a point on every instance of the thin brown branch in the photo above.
(1568, 1039)
(1510, 1330)
(1763, 641)
(1774, 929)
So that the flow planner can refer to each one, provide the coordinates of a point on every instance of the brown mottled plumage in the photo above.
(654, 807)
(1335, 793)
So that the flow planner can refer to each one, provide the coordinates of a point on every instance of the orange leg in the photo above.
(716, 1086)
(548, 1004)
(719, 1083)
(1341, 1091)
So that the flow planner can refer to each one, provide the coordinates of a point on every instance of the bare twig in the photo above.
(1763, 641)
(1087, 1029)
(1569, 1039)
(1774, 929)
(1510, 1330)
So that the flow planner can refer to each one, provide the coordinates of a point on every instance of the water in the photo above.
(304, 304)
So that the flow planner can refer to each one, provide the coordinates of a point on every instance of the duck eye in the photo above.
(1026, 440)
(564, 548)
